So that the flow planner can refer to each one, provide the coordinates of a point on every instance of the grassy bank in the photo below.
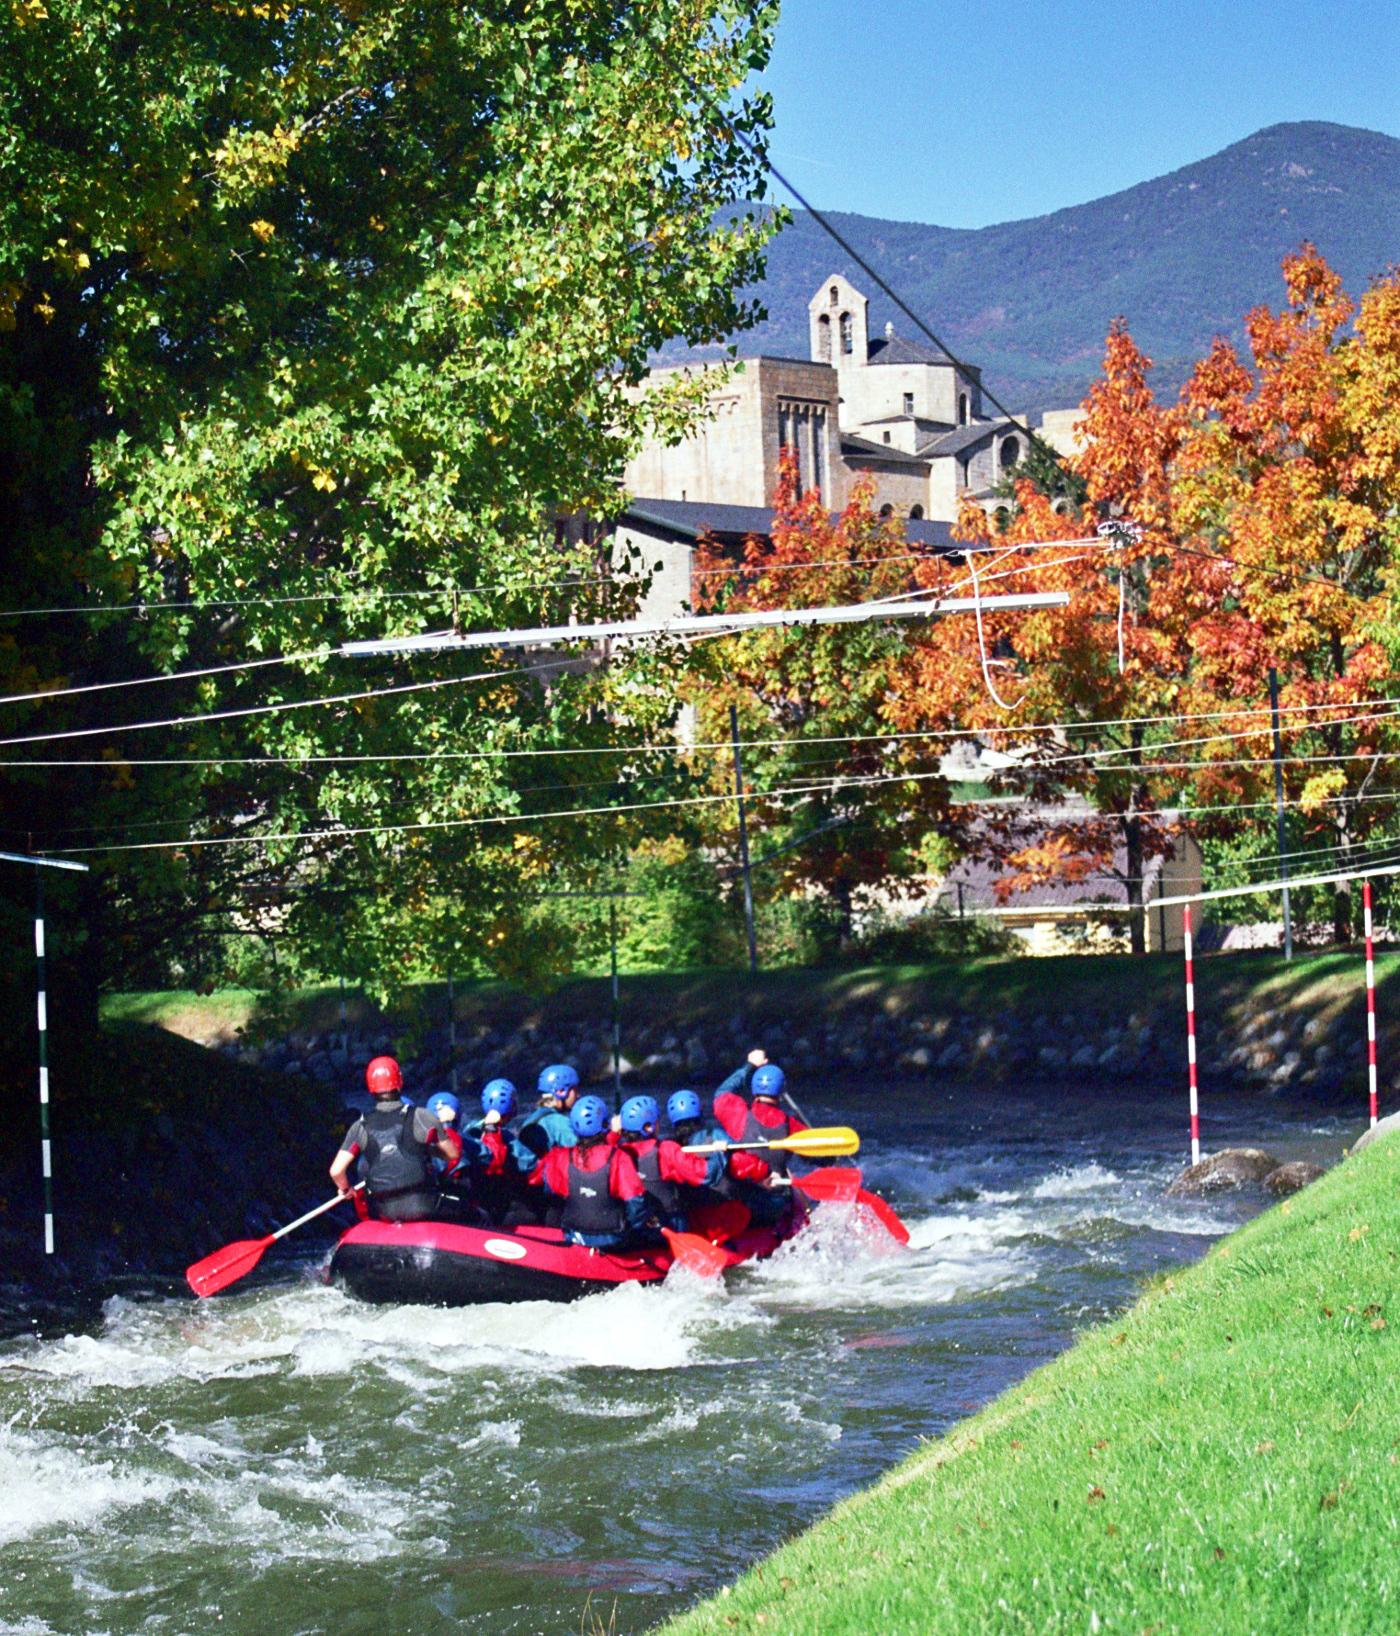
(1109, 984)
(1223, 1458)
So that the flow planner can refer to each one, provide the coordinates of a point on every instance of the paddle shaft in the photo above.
(824, 1142)
(320, 1210)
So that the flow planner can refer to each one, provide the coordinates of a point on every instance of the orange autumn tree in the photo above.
(1078, 694)
(1265, 506)
(1287, 470)
(838, 804)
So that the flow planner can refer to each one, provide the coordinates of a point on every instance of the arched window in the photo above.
(916, 514)
(835, 295)
(887, 437)
(824, 338)
(1010, 453)
(848, 333)
(962, 408)
(887, 511)
(1003, 517)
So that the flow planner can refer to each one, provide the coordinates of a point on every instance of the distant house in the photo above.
(1059, 916)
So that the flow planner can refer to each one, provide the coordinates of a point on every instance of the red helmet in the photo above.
(383, 1076)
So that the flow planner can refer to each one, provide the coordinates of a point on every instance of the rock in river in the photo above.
(1384, 1127)
(1288, 1178)
(1231, 1167)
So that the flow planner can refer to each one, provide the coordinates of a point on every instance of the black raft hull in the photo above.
(437, 1263)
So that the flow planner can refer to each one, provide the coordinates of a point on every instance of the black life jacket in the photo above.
(590, 1206)
(395, 1161)
(754, 1132)
(663, 1196)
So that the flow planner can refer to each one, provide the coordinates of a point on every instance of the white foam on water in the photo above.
(45, 1485)
(1075, 1180)
(844, 1260)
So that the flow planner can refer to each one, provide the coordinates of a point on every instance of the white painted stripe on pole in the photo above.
(48, 1160)
(43, 1012)
(39, 938)
(1370, 974)
(43, 1084)
(1190, 996)
(1191, 1048)
(48, 1235)
(1370, 1025)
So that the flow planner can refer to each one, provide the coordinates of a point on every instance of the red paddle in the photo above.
(696, 1254)
(726, 1218)
(836, 1184)
(840, 1185)
(228, 1265)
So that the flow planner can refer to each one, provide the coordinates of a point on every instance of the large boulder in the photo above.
(1231, 1167)
(1384, 1127)
(1288, 1178)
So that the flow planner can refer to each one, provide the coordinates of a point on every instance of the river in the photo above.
(283, 1459)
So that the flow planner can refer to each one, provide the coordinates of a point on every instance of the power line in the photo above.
(45, 694)
(953, 735)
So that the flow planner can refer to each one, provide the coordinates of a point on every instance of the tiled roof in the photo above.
(896, 349)
(692, 518)
(867, 448)
(964, 437)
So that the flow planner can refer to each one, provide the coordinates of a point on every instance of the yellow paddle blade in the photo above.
(826, 1142)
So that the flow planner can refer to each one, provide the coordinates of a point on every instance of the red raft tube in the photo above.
(442, 1263)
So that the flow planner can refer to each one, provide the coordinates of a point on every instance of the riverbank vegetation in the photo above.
(1320, 983)
(1220, 1458)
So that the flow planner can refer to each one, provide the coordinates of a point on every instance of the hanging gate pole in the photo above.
(42, 1004)
(616, 1003)
(1370, 1002)
(1191, 1037)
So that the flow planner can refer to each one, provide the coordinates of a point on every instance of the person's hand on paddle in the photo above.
(757, 1057)
(492, 1119)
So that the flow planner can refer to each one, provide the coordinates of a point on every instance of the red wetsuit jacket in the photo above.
(552, 1172)
(496, 1152)
(733, 1113)
(674, 1163)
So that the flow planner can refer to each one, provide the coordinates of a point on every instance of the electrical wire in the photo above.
(46, 694)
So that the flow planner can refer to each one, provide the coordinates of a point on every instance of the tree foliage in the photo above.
(341, 305)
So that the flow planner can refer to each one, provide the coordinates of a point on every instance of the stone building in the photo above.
(896, 409)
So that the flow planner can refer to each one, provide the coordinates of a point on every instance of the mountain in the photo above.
(1182, 258)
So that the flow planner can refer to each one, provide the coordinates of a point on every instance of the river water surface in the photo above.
(283, 1459)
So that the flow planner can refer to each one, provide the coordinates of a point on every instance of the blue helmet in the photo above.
(638, 1112)
(589, 1116)
(681, 1106)
(557, 1080)
(768, 1081)
(498, 1096)
(444, 1099)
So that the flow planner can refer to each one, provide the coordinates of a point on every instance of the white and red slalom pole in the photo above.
(1370, 1001)
(1191, 1036)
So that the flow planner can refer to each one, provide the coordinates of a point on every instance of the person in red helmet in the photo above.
(394, 1143)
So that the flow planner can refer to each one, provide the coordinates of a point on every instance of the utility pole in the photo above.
(1278, 814)
(743, 838)
(616, 1003)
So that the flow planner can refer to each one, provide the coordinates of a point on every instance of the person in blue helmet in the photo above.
(675, 1181)
(496, 1178)
(547, 1125)
(762, 1120)
(604, 1202)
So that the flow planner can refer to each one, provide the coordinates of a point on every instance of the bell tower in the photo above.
(838, 317)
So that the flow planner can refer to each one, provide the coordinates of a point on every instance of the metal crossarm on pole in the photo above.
(694, 624)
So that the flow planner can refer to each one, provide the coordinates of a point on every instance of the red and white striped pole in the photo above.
(1191, 1036)
(1370, 1001)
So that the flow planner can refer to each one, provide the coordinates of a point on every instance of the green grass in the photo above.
(1223, 1458)
(1108, 985)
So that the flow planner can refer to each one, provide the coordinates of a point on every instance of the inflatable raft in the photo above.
(442, 1263)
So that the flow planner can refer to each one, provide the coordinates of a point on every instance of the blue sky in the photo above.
(985, 111)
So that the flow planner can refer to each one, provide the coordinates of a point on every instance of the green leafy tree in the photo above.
(343, 304)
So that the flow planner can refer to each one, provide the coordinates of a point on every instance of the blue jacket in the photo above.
(548, 1127)
(736, 1085)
